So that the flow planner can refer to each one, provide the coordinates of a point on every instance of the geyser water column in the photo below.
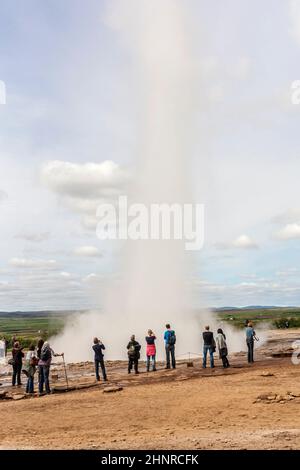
(155, 274)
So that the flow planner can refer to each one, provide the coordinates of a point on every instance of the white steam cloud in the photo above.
(152, 290)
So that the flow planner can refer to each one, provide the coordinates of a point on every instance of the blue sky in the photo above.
(72, 98)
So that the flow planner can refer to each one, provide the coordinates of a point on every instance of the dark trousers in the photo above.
(101, 363)
(44, 378)
(133, 361)
(170, 353)
(225, 361)
(153, 363)
(250, 345)
(16, 377)
(30, 384)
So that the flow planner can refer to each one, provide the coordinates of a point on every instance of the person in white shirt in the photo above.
(222, 347)
(30, 368)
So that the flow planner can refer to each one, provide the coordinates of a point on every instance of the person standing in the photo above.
(44, 367)
(250, 335)
(31, 362)
(151, 350)
(222, 347)
(208, 346)
(98, 347)
(133, 351)
(40, 344)
(170, 340)
(17, 360)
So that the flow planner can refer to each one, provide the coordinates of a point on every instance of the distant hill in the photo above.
(251, 307)
(41, 313)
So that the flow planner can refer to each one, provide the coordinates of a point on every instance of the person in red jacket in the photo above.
(151, 350)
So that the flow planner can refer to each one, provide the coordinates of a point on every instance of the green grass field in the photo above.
(29, 327)
(276, 317)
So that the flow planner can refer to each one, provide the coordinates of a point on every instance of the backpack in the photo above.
(45, 355)
(172, 338)
(131, 350)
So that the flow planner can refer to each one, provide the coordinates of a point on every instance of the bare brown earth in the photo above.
(189, 408)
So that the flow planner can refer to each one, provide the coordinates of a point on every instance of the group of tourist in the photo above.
(39, 357)
(209, 346)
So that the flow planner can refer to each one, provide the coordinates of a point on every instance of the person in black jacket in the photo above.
(17, 357)
(99, 359)
(133, 354)
(209, 345)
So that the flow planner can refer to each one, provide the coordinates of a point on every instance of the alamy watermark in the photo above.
(2, 92)
(137, 221)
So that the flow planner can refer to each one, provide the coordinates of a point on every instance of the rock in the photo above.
(271, 397)
(19, 396)
(3, 394)
(112, 389)
(267, 374)
(264, 396)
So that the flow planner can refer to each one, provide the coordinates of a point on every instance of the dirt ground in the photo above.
(189, 408)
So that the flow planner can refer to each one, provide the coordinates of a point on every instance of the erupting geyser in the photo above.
(154, 273)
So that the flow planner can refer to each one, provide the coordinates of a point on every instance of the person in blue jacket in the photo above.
(250, 336)
(170, 340)
(98, 348)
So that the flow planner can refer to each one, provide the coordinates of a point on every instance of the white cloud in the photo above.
(89, 251)
(243, 241)
(34, 237)
(82, 187)
(289, 232)
(287, 217)
(92, 278)
(87, 180)
(33, 263)
(261, 292)
(65, 275)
